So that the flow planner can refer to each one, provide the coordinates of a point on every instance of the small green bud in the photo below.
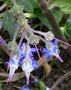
(49, 36)
(34, 39)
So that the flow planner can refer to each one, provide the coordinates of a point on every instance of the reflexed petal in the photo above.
(59, 58)
(11, 73)
(27, 77)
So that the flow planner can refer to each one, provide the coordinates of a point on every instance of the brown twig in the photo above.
(60, 80)
(50, 17)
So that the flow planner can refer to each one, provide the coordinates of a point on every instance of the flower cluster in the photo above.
(22, 55)
(23, 58)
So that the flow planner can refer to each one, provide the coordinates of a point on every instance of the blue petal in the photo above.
(31, 54)
(51, 52)
(44, 50)
(33, 50)
(34, 63)
(56, 50)
(23, 56)
(47, 56)
(12, 61)
(25, 88)
(21, 62)
(21, 51)
(55, 42)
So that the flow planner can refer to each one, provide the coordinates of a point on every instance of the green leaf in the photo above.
(57, 14)
(64, 5)
(9, 3)
(38, 13)
(42, 86)
(27, 4)
(9, 24)
(68, 27)
(35, 3)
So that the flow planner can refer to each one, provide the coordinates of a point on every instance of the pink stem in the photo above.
(63, 42)
(3, 6)
(37, 51)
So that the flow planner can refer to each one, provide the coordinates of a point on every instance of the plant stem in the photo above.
(63, 42)
(38, 32)
(37, 51)
(50, 17)
(21, 40)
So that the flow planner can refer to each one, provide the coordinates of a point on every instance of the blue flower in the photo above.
(28, 62)
(12, 65)
(52, 50)
(25, 88)
(23, 55)
(24, 58)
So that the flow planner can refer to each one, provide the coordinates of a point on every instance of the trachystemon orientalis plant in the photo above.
(22, 53)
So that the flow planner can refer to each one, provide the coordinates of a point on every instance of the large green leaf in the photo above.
(9, 24)
(38, 13)
(35, 3)
(27, 4)
(64, 5)
(68, 27)
(57, 14)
